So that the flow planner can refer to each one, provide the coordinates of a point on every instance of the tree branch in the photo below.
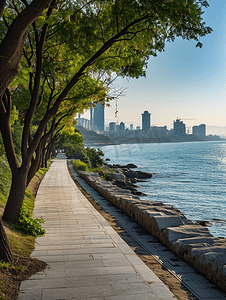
(12, 45)
(2, 6)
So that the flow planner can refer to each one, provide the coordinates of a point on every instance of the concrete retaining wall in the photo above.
(192, 242)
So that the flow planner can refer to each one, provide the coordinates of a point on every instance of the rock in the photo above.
(203, 223)
(123, 184)
(107, 159)
(116, 176)
(118, 166)
(143, 175)
(130, 174)
(120, 183)
(131, 166)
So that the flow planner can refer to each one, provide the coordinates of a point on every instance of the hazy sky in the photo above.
(184, 81)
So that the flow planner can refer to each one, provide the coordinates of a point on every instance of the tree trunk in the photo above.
(48, 153)
(2, 6)
(16, 196)
(5, 251)
(43, 154)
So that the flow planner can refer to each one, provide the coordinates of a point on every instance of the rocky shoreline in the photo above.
(190, 241)
(125, 178)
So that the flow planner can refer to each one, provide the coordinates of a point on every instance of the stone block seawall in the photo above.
(190, 241)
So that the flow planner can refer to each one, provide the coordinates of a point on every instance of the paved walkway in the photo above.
(86, 258)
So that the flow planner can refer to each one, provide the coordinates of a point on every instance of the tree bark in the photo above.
(2, 6)
(16, 196)
(5, 252)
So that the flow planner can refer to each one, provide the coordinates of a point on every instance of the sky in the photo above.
(183, 81)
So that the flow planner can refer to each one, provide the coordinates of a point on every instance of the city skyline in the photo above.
(183, 82)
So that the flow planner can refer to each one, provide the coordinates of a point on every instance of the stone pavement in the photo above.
(86, 258)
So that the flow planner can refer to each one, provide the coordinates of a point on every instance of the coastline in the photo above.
(93, 139)
(190, 241)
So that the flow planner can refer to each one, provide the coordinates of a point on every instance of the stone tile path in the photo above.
(196, 283)
(86, 258)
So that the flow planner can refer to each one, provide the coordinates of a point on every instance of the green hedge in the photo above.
(80, 165)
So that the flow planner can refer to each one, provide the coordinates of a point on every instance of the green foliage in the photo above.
(69, 138)
(27, 223)
(97, 169)
(40, 171)
(5, 180)
(78, 152)
(104, 174)
(95, 156)
(80, 165)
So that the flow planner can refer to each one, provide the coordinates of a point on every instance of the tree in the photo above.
(114, 36)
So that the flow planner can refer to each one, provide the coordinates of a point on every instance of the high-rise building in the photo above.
(202, 130)
(97, 117)
(122, 126)
(112, 126)
(179, 127)
(199, 131)
(195, 130)
(146, 120)
(131, 127)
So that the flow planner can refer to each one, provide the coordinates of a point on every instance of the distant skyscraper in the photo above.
(98, 117)
(91, 118)
(202, 130)
(179, 127)
(199, 131)
(131, 127)
(195, 130)
(122, 126)
(112, 126)
(146, 120)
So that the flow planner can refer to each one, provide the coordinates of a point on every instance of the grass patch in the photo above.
(19, 242)
(41, 172)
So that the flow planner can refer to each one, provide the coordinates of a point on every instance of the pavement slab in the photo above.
(86, 258)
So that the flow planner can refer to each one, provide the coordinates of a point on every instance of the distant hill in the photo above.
(92, 138)
(221, 131)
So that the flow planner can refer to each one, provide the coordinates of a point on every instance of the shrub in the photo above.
(79, 152)
(95, 156)
(27, 223)
(80, 165)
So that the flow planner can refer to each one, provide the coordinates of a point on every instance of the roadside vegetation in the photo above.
(21, 236)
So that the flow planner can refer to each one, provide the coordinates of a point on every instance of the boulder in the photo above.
(131, 166)
(130, 174)
(116, 176)
(143, 175)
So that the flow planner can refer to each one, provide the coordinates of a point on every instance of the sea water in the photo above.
(189, 176)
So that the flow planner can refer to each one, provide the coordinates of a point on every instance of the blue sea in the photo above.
(189, 176)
